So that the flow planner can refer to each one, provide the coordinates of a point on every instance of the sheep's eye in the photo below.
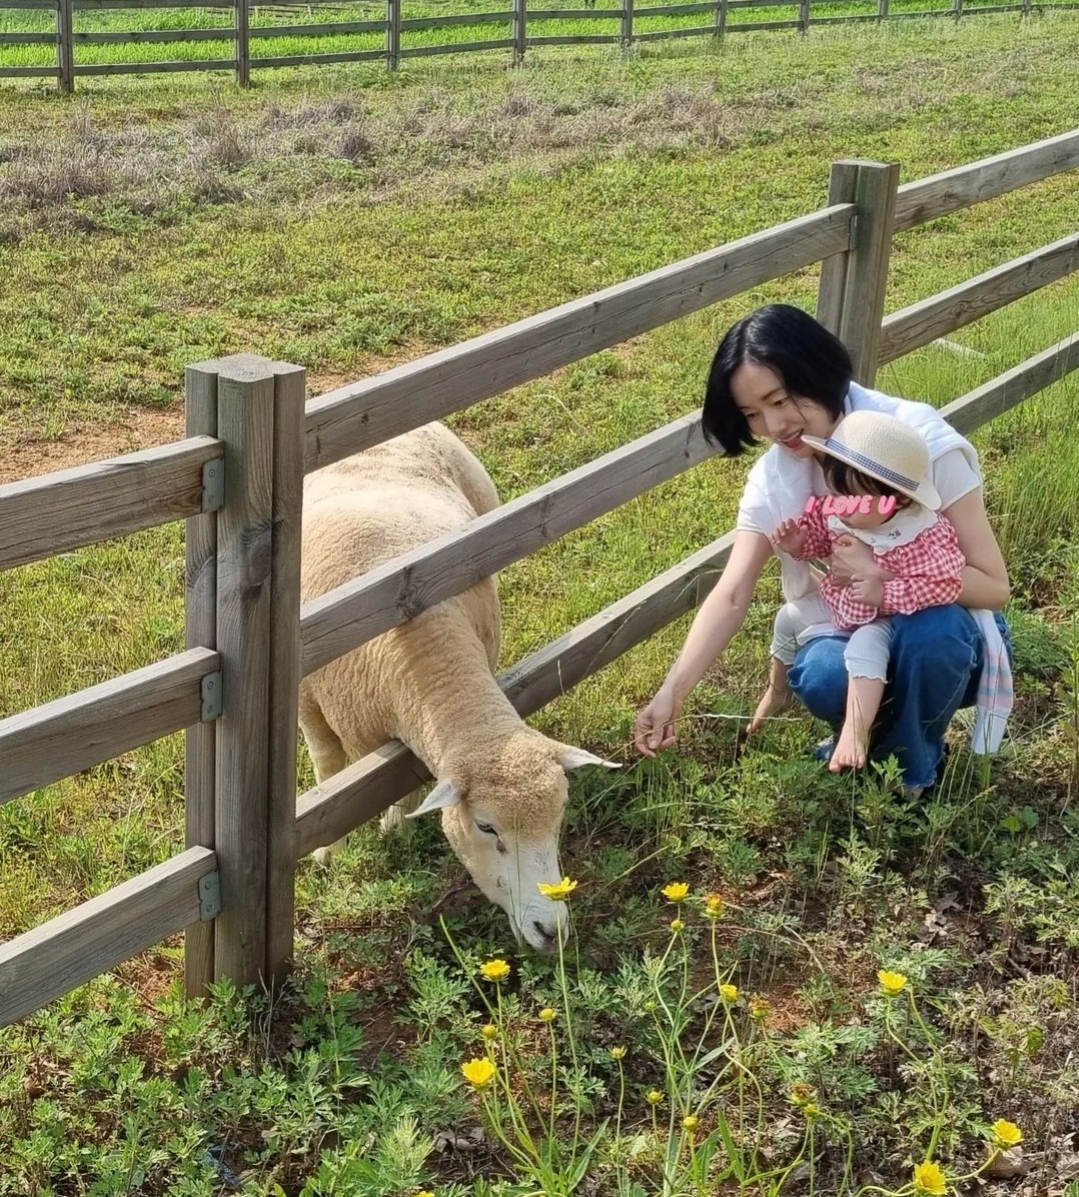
(486, 828)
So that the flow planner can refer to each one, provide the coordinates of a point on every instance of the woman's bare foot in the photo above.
(849, 751)
(774, 702)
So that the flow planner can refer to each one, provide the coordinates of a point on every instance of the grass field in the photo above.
(357, 218)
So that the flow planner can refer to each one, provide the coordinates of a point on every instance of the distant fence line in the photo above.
(244, 36)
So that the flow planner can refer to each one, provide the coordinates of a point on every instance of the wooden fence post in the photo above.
(288, 472)
(245, 418)
(627, 23)
(65, 44)
(721, 18)
(243, 598)
(850, 298)
(243, 43)
(393, 34)
(200, 620)
(520, 30)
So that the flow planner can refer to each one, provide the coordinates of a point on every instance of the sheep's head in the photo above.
(502, 814)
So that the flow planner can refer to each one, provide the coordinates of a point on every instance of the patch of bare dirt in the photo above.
(24, 455)
(81, 443)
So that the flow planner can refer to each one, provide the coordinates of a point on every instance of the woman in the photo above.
(779, 374)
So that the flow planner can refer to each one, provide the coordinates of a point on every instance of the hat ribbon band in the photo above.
(860, 459)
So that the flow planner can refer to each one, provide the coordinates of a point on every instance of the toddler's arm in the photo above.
(804, 538)
(929, 574)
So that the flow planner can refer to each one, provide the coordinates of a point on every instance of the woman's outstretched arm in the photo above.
(721, 615)
(985, 578)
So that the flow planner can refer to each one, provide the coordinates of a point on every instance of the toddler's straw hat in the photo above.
(884, 448)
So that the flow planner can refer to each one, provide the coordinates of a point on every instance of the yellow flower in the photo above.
(801, 1093)
(546, 1014)
(689, 1123)
(558, 892)
(891, 983)
(495, 970)
(490, 1031)
(653, 1097)
(729, 992)
(759, 1009)
(617, 1053)
(479, 1072)
(425, 1193)
(928, 1178)
(676, 891)
(810, 1110)
(1006, 1134)
(677, 925)
(713, 906)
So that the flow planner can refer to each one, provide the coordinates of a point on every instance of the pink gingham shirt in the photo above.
(928, 571)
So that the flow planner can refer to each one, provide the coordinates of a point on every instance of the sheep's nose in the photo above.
(548, 934)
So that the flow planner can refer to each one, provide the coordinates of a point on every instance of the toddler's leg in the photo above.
(866, 657)
(791, 619)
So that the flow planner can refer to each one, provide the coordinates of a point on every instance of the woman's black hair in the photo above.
(844, 479)
(812, 363)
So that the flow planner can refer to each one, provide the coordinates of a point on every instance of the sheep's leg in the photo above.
(393, 817)
(327, 755)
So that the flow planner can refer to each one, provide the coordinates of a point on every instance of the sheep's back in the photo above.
(366, 509)
(346, 534)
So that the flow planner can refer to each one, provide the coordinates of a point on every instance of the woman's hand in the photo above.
(656, 726)
(720, 615)
(869, 591)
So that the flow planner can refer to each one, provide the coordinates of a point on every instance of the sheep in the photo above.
(501, 786)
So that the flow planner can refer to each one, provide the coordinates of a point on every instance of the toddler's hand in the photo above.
(789, 537)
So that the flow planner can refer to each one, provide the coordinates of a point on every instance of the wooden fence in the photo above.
(237, 481)
(244, 35)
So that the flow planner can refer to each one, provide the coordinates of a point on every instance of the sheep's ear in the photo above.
(446, 793)
(574, 758)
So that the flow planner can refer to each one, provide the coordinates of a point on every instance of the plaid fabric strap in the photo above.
(867, 463)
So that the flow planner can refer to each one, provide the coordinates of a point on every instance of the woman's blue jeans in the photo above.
(934, 669)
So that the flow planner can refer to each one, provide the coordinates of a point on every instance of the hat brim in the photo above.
(923, 492)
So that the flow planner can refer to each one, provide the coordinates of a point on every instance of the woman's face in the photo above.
(774, 414)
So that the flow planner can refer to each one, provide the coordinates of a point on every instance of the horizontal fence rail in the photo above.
(351, 614)
(355, 417)
(75, 947)
(926, 321)
(69, 509)
(1008, 390)
(366, 788)
(940, 194)
(49, 742)
(242, 33)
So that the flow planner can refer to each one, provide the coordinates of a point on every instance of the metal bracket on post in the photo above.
(212, 697)
(209, 896)
(213, 485)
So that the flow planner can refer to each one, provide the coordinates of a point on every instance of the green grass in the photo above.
(356, 218)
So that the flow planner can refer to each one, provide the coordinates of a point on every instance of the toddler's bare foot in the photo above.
(849, 752)
(774, 702)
